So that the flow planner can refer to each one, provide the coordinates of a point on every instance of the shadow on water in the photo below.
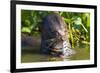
(30, 51)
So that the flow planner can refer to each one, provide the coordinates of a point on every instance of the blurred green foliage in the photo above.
(78, 24)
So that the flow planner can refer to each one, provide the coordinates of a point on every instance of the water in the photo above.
(32, 55)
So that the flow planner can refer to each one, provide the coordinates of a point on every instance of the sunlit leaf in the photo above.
(25, 29)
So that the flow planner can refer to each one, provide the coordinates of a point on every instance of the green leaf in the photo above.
(25, 29)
